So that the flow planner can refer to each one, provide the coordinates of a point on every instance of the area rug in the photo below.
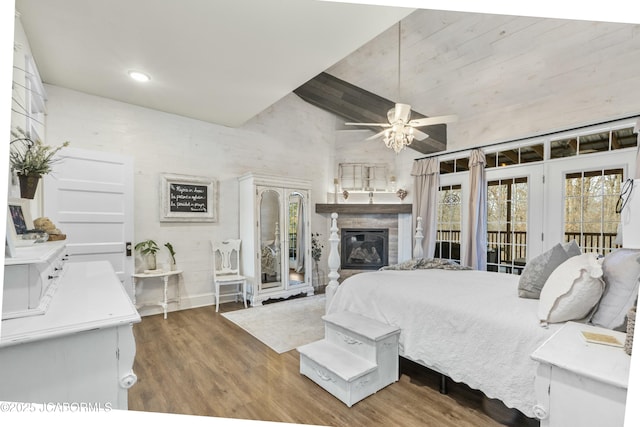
(284, 325)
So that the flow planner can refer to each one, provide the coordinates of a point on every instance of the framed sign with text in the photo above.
(186, 198)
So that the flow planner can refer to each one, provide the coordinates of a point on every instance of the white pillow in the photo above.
(621, 274)
(572, 290)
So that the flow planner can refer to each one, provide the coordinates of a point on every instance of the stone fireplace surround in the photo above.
(367, 216)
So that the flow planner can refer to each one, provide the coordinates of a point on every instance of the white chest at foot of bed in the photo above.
(357, 357)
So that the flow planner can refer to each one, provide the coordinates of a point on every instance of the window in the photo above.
(593, 142)
(363, 177)
(449, 222)
(590, 208)
(507, 209)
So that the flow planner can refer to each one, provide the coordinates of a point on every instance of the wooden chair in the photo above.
(226, 270)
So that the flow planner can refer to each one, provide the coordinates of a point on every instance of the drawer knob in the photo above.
(127, 381)
(540, 412)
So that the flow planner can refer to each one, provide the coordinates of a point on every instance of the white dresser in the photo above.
(580, 383)
(80, 350)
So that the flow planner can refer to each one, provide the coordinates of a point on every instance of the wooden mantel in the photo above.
(364, 208)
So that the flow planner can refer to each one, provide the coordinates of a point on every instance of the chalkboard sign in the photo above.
(187, 198)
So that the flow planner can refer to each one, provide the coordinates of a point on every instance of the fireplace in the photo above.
(364, 248)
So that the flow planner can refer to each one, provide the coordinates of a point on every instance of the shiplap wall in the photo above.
(291, 138)
(505, 77)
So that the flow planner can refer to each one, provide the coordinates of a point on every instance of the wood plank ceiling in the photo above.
(358, 105)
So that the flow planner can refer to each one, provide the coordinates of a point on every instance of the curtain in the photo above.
(300, 243)
(636, 129)
(475, 253)
(425, 202)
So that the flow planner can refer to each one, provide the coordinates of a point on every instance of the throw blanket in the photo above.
(427, 263)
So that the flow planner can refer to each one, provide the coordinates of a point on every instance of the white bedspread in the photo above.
(468, 325)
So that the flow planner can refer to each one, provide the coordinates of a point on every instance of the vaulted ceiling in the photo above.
(226, 61)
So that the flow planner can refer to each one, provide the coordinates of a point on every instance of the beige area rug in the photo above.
(283, 325)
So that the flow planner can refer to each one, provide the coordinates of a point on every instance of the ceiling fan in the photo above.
(401, 130)
(399, 121)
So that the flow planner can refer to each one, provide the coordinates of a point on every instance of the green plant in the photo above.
(169, 246)
(29, 156)
(147, 247)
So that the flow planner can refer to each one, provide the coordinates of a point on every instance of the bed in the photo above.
(480, 327)
(468, 325)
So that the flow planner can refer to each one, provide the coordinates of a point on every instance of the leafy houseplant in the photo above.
(148, 248)
(30, 159)
(169, 247)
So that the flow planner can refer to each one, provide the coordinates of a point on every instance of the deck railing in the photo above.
(512, 248)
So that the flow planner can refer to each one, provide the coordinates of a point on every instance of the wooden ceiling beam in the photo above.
(355, 104)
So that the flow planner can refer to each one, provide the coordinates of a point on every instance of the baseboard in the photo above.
(193, 301)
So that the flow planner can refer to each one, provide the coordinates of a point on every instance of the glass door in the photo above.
(269, 239)
(297, 238)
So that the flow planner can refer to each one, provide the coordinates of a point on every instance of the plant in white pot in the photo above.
(172, 253)
(148, 250)
(30, 159)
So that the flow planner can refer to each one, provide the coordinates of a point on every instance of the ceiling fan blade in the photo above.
(401, 112)
(377, 135)
(419, 135)
(384, 125)
(433, 120)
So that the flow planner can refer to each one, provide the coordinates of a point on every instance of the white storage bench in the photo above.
(357, 357)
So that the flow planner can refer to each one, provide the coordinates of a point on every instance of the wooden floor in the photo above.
(198, 363)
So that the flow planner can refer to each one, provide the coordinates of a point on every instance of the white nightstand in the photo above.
(580, 383)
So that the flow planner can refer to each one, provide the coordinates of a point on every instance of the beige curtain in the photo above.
(636, 129)
(425, 201)
(475, 253)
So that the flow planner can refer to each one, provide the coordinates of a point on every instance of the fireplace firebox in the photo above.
(364, 248)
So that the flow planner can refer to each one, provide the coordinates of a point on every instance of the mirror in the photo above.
(270, 250)
(296, 238)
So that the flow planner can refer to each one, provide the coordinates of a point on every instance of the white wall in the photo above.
(291, 138)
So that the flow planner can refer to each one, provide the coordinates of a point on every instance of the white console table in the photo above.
(580, 383)
(164, 275)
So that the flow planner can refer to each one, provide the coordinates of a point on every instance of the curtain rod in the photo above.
(428, 156)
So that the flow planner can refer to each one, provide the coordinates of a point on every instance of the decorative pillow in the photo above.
(571, 248)
(572, 290)
(537, 271)
(621, 274)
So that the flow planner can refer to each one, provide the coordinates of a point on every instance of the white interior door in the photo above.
(89, 196)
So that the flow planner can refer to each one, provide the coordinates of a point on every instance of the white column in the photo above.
(334, 260)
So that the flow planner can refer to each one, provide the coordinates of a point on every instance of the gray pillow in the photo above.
(621, 274)
(572, 248)
(538, 270)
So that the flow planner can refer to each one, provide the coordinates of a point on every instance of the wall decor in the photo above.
(186, 198)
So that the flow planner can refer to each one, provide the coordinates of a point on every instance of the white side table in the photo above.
(165, 279)
(580, 383)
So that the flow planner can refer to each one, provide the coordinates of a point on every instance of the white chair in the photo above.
(226, 270)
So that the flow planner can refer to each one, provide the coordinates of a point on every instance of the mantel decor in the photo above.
(186, 198)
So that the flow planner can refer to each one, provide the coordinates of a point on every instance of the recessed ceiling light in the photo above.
(139, 76)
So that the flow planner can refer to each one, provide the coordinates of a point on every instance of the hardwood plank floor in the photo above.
(198, 363)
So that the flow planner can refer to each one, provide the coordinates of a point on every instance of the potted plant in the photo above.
(30, 159)
(172, 253)
(148, 249)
